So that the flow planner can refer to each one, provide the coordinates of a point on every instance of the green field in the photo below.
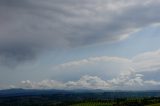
(92, 104)
(104, 104)
(154, 104)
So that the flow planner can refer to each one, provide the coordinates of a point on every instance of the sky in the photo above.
(80, 44)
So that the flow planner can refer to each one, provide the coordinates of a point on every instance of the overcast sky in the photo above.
(80, 44)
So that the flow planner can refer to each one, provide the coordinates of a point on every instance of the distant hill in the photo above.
(84, 93)
(28, 92)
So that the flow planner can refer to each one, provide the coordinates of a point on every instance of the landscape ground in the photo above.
(21, 97)
(158, 104)
(52, 101)
(112, 104)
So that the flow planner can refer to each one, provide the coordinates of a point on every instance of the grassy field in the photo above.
(95, 103)
(158, 104)
(92, 104)
(102, 104)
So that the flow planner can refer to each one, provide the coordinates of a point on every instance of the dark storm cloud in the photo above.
(28, 27)
(11, 55)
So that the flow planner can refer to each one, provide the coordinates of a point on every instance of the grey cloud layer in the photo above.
(28, 27)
